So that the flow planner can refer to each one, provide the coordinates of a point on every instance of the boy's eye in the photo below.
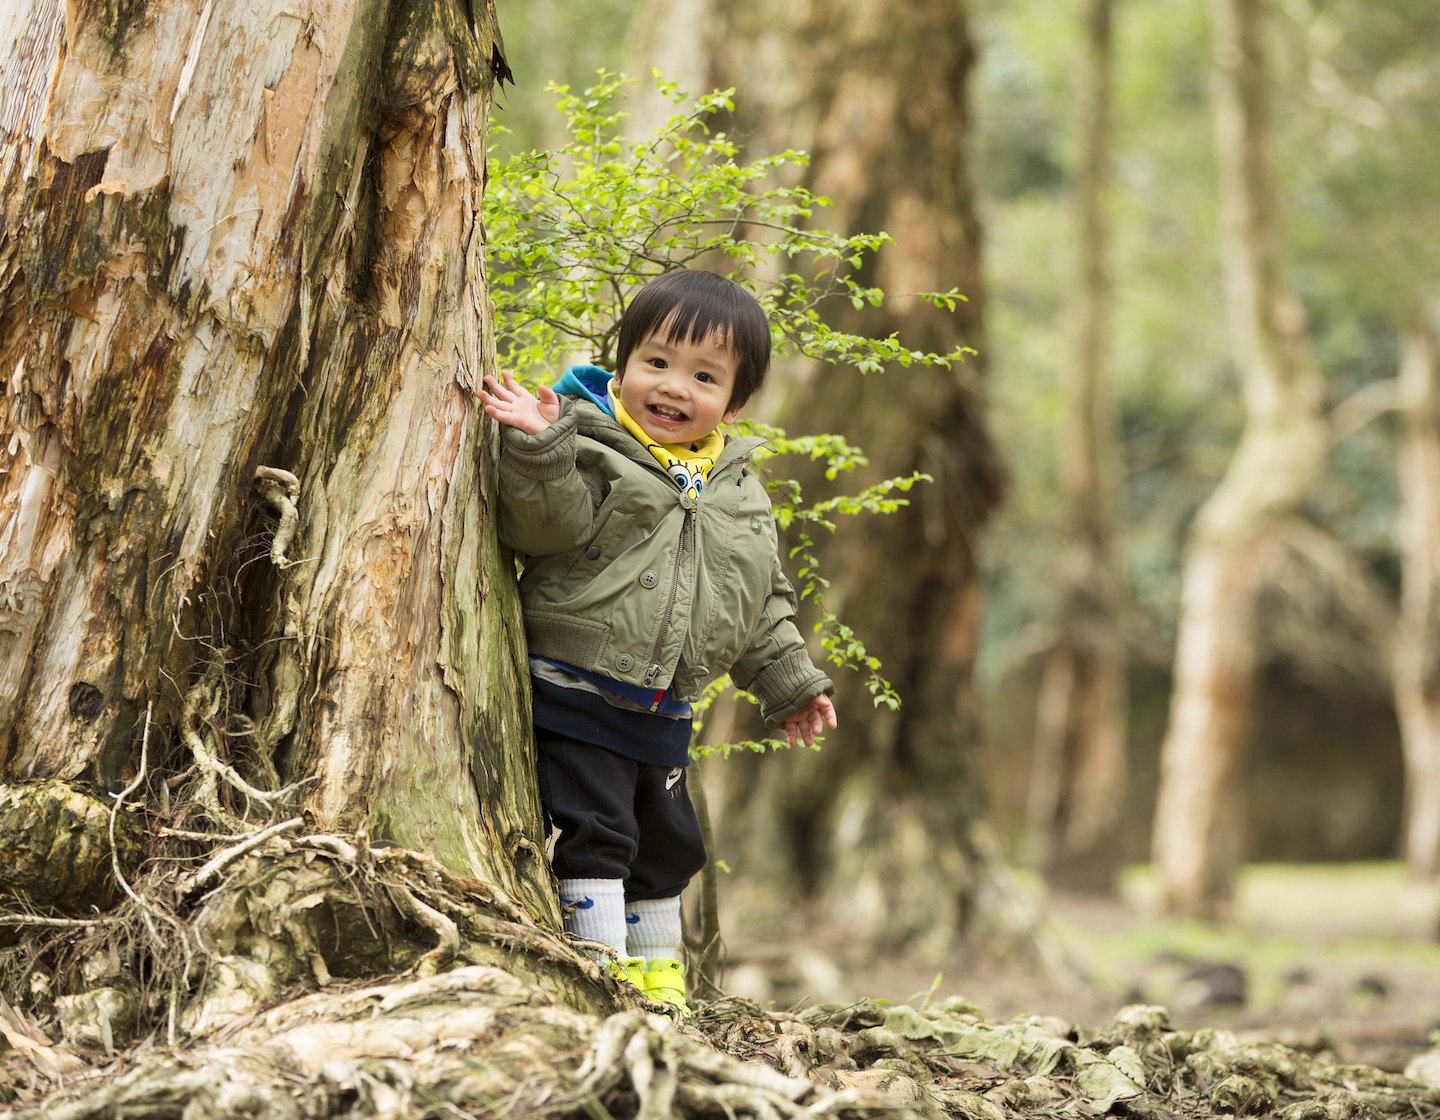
(658, 363)
(703, 376)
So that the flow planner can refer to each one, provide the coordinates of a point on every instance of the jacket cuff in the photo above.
(545, 455)
(788, 683)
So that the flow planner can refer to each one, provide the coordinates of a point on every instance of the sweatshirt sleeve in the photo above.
(545, 505)
(776, 668)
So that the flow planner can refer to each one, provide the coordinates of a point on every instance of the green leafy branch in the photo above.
(575, 231)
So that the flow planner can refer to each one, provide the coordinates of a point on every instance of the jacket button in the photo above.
(756, 525)
(593, 552)
(624, 663)
(648, 578)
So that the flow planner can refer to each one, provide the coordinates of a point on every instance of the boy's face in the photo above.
(679, 391)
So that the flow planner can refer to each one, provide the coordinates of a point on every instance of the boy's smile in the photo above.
(677, 390)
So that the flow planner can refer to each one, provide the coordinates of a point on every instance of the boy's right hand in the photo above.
(513, 405)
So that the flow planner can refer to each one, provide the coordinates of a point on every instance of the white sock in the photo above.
(595, 910)
(654, 928)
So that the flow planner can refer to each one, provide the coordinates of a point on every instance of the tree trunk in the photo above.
(1197, 835)
(1080, 720)
(243, 502)
(879, 95)
(1417, 642)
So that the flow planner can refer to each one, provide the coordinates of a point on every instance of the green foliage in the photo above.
(574, 232)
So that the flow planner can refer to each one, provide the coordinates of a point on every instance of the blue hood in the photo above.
(588, 383)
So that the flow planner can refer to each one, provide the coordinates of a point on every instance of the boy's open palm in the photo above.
(515, 406)
(809, 723)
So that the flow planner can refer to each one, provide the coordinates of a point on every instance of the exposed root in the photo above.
(279, 488)
(487, 1040)
(54, 923)
(197, 721)
(483, 1013)
(207, 874)
(446, 931)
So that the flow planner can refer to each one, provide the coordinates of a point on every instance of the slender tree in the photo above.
(1078, 773)
(1371, 85)
(1417, 643)
(1241, 528)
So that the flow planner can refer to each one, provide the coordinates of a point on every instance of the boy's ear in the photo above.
(731, 416)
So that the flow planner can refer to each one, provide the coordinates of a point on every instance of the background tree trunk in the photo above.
(246, 237)
(1417, 642)
(1240, 528)
(1078, 779)
(880, 827)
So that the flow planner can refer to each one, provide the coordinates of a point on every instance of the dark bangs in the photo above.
(691, 306)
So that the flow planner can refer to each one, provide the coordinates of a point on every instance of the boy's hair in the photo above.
(694, 305)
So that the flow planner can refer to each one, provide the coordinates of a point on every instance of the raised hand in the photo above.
(515, 406)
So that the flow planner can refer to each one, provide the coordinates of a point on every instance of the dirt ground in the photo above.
(1339, 960)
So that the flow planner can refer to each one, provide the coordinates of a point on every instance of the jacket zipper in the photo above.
(655, 667)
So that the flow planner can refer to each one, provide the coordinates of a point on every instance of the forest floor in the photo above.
(1340, 959)
(507, 1019)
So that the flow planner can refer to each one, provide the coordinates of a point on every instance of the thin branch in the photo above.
(1362, 408)
(56, 923)
(211, 870)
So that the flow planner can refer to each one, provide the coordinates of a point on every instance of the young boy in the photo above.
(650, 568)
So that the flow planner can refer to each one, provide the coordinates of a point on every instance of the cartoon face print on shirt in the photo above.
(685, 479)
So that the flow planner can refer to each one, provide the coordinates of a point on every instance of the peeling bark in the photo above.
(240, 239)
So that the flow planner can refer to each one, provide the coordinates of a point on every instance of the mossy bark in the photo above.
(63, 848)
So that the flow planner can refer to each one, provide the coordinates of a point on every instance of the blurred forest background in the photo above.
(1182, 547)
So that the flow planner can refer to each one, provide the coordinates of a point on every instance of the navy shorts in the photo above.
(618, 818)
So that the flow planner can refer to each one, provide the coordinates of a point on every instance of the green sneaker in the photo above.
(665, 981)
(629, 969)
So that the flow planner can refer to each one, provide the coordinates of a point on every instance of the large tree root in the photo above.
(62, 853)
(473, 1041)
(483, 1013)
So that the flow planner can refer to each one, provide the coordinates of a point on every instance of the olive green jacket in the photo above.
(627, 577)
